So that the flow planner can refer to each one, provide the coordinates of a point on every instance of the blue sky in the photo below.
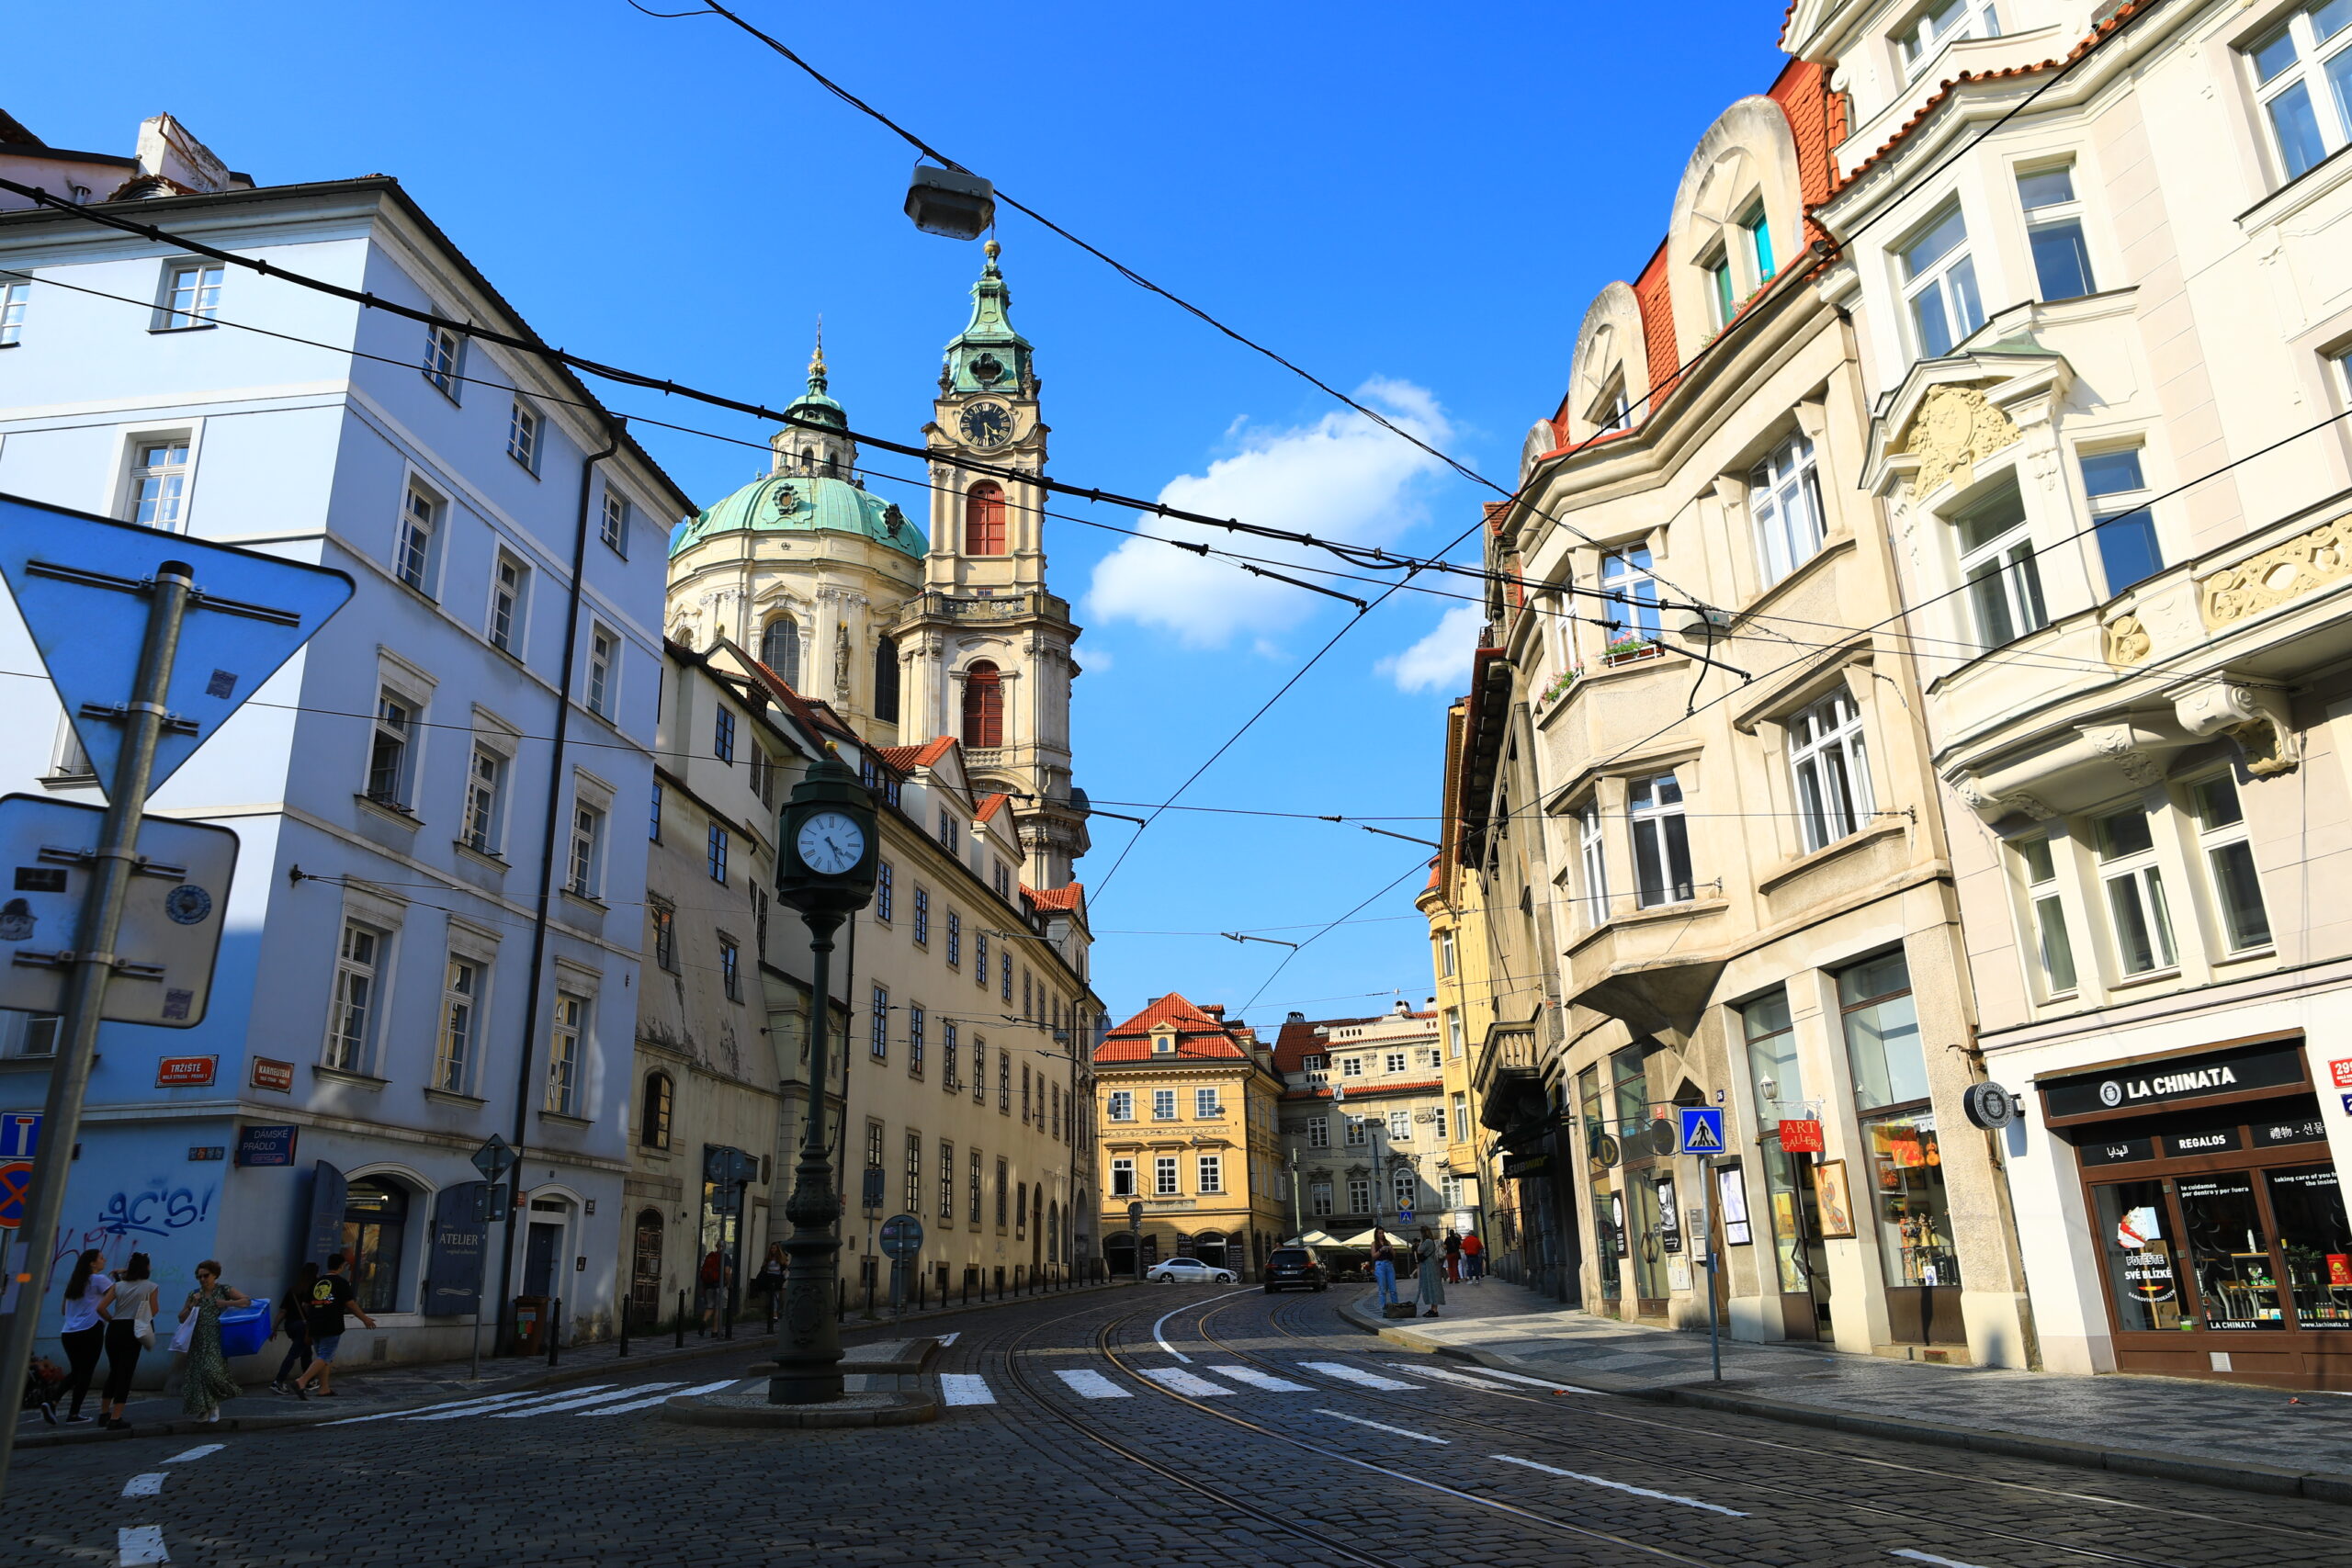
(1415, 202)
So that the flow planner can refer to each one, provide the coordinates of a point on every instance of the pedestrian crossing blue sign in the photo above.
(1702, 1130)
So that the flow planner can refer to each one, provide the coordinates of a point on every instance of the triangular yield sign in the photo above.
(81, 584)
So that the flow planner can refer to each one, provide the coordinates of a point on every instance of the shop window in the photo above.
(2229, 861)
(2316, 1242)
(2143, 1280)
(2037, 863)
(2229, 1252)
(1778, 1082)
(375, 1230)
(1631, 1086)
(1911, 1211)
(2139, 919)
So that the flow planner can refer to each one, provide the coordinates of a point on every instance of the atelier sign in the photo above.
(2279, 1065)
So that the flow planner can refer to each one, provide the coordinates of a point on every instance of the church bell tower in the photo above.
(986, 647)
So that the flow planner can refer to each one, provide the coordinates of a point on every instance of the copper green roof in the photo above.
(804, 503)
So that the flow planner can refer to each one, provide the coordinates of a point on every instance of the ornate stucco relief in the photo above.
(2309, 560)
(2254, 716)
(1955, 429)
(2126, 641)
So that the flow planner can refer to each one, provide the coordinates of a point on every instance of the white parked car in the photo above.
(1191, 1272)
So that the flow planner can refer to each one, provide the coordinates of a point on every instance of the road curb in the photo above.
(304, 1415)
(2267, 1480)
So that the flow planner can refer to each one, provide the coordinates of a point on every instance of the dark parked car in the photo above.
(1295, 1268)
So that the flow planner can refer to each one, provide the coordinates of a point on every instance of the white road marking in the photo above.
(1383, 1426)
(1444, 1375)
(947, 1339)
(1620, 1486)
(1257, 1379)
(1531, 1383)
(196, 1452)
(1350, 1374)
(1093, 1385)
(1925, 1557)
(1183, 1381)
(464, 1408)
(965, 1388)
(1172, 1312)
(580, 1400)
(661, 1398)
(147, 1486)
(136, 1545)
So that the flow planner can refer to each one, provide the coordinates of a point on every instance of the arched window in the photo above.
(886, 679)
(375, 1234)
(983, 705)
(653, 1115)
(984, 520)
(780, 648)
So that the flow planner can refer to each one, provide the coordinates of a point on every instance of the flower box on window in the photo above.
(1629, 650)
(1559, 687)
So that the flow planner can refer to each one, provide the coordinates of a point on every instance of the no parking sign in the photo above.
(19, 1132)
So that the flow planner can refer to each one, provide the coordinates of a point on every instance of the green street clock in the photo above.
(827, 842)
(985, 424)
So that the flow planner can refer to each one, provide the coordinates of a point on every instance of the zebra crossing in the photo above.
(594, 1399)
(1203, 1382)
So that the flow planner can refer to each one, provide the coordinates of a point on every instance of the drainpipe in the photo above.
(547, 869)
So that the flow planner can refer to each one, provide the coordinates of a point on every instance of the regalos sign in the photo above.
(2180, 1080)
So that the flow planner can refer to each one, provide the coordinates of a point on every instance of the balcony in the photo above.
(965, 609)
(1650, 967)
(1509, 1076)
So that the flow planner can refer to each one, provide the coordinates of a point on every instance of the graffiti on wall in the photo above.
(130, 1218)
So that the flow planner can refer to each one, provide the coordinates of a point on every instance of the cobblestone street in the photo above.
(1156, 1426)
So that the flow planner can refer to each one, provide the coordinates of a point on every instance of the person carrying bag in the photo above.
(129, 1307)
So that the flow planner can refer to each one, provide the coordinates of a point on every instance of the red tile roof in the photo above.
(1199, 1036)
(1298, 1040)
(817, 715)
(906, 758)
(1657, 326)
(1366, 1091)
(990, 805)
(1070, 897)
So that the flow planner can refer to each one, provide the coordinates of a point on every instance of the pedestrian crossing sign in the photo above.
(1702, 1130)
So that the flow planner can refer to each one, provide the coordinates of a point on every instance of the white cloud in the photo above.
(1440, 661)
(1094, 660)
(1341, 477)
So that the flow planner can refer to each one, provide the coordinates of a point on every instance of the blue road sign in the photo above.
(81, 583)
(1703, 1129)
(20, 1134)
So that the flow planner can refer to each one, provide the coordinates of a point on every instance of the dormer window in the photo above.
(1757, 227)
(1939, 24)
(1163, 1043)
(1611, 412)
(1718, 269)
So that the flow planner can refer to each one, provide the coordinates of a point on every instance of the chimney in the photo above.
(1214, 1010)
(1404, 1008)
(1295, 1017)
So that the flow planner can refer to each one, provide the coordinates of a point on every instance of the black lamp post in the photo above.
(825, 864)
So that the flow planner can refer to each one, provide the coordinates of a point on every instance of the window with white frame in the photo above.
(1940, 284)
(603, 660)
(1445, 953)
(2229, 864)
(1997, 566)
(1123, 1105)
(523, 435)
(390, 750)
(566, 1029)
(443, 350)
(1206, 1103)
(159, 481)
(2121, 523)
(2053, 945)
(1611, 411)
(2138, 915)
(1210, 1170)
(1453, 1033)
(508, 583)
(1358, 1134)
(1661, 841)
(1163, 1175)
(1631, 618)
(1832, 768)
(485, 800)
(1449, 1191)
(1403, 1187)
(1392, 1061)
(68, 760)
(1722, 290)
(1319, 1133)
(1318, 1197)
(1593, 861)
(614, 528)
(1351, 1067)
(2054, 231)
(1360, 1195)
(2302, 74)
(13, 299)
(412, 546)
(1400, 1126)
(1460, 1118)
(1785, 500)
(1163, 1105)
(1940, 23)
(351, 1024)
(587, 849)
(191, 295)
(453, 1063)
(1755, 228)
(1122, 1176)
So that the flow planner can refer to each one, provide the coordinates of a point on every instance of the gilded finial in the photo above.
(817, 359)
(990, 249)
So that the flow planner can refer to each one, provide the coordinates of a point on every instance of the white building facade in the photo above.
(433, 933)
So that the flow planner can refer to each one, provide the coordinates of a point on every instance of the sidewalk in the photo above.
(363, 1390)
(2253, 1440)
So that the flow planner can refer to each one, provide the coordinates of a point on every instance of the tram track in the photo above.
(1909, 1515)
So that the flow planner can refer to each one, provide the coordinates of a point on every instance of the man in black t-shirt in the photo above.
(330, 1298)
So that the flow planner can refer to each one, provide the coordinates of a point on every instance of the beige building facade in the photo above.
(1366, 1131)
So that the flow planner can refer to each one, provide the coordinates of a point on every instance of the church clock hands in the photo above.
(987, 424)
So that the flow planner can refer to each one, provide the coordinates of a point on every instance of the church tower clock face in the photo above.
(985, 424)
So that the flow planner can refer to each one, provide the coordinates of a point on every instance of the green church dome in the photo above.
(805, 503)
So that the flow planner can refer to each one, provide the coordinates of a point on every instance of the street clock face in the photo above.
(987, 424)
(830, 843)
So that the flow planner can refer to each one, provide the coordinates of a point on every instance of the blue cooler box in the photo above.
(246, 1330)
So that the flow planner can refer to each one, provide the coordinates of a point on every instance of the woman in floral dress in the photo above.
(208, 1383)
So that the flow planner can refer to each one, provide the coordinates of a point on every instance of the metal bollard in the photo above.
(555, 1326)
(626, 1304)
(730, 1317)
(682, 1320)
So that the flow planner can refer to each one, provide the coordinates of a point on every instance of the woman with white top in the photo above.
(130, 1308)
(84, 1334)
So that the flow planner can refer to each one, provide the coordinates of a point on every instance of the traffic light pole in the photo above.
(809, 1340)
(93, 965)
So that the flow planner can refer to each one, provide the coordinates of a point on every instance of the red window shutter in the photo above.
(984, 520)
(983, 707)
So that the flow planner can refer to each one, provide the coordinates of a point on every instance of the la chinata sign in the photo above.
(2184, 1079)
